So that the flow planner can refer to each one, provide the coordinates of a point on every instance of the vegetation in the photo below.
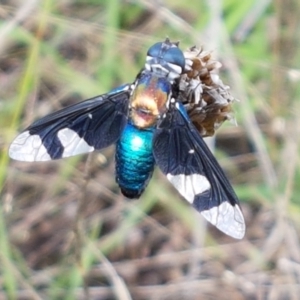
(65, 230)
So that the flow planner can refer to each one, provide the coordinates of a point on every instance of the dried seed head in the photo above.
(206, 98)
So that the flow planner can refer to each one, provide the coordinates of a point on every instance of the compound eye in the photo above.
(167, 53)
(175, 56)
(155, 50)
(165, 59)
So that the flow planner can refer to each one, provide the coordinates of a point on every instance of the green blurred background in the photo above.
(65, 230)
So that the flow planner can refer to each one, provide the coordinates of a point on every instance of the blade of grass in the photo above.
(110, 43)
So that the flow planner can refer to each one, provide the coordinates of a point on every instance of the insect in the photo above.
(150, 125)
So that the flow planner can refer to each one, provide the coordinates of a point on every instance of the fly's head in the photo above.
(165, 59)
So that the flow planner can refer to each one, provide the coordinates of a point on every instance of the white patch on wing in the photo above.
(227, 218)
(28, 147)
(73, 144)
(189, 185)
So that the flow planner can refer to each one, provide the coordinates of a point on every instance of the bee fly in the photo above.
(150, 124)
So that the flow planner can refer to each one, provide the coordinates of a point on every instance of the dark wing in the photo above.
(182, 155)
(80, 128)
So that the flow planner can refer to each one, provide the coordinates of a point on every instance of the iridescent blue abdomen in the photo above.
(134, 160)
